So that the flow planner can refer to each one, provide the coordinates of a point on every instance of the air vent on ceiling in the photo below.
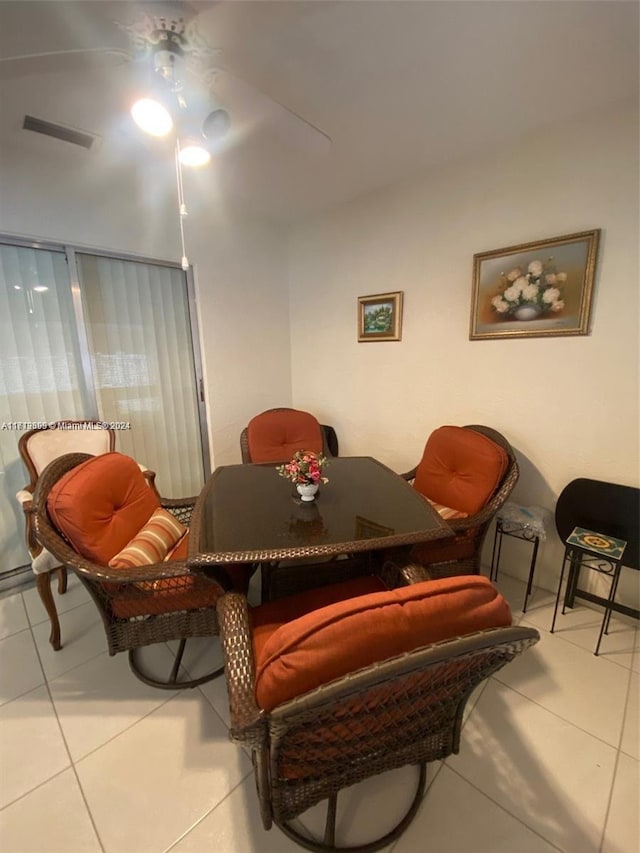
(58, 131)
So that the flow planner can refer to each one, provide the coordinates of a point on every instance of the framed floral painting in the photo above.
(534, 289)
(380, 317)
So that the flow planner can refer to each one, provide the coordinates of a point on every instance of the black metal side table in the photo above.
(518, 522)
(598, 552)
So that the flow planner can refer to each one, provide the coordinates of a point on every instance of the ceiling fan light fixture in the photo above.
(152, 117)
(216, 125)
(192, 154)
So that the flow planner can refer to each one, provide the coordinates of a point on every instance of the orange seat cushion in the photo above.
(275, 436)
(460, 468)
(326, 643)
(101, 504)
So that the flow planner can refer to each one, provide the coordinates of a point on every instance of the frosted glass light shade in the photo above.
(194, 155)
(151, 117)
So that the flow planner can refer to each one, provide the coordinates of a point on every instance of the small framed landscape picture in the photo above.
(380, 317)
(535, 289)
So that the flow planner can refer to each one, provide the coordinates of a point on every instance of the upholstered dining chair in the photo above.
(276, 434)
(97, 516)
(466, 473)
(37, 448)
(331, 686)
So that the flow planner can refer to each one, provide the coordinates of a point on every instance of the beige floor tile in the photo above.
(630, 742)
(514, 590)
(53, 818)
(552, 776)
(75, 595)
(147, 786)
(31, 746)
(455, 817)
(83, 638)
(370, 809)
(20, 670)
(101, 698)
(201, 655)
(216, 693)
(13, 617)
(581, 626)
(570, 681)
(235, 826)
(622, 834)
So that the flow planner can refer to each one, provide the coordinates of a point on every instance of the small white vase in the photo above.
(307, 491)
(527, 312)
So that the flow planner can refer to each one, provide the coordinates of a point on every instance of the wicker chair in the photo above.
(285, 431)
(143, 605)
(462, 556)
(399, 709)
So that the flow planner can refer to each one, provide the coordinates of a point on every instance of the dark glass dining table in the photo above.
(249, 514)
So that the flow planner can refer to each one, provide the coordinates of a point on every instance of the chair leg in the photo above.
(330, 825)
(172, 682)
(43, 583)
(62, 580)
(329, 844)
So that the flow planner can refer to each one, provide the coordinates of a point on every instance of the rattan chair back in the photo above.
(329, 439)
(472, 529)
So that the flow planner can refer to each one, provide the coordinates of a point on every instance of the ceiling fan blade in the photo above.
(61, 60)
(250, 107)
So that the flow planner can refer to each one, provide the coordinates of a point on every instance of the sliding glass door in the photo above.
(92, 336)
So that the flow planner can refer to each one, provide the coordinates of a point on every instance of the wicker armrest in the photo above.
(247, 720)
(412, 572)
(394, 571)
(139, 574)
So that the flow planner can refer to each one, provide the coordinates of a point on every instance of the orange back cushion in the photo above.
(460, 468)
(101, 505)
(275, 436)
(334, 640)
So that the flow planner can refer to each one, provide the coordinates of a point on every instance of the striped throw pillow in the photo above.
(152, 544)
(446, 512)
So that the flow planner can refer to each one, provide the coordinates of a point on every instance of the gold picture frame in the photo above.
(380, 317)
(535, 289)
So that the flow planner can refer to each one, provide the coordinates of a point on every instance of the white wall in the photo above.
(569, 405)
(75, 197)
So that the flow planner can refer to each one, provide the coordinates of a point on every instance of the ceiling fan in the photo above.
(183, 86)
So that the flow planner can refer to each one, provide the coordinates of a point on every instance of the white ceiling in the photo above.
(398, 86)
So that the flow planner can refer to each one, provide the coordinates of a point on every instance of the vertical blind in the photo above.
(140, 341)
(143, 379)
(40, 377)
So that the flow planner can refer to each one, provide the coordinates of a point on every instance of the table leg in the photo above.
(555, 609)
(607, 611)
(495, 559)
(532, 569)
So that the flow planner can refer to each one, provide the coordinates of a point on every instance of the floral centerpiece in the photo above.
(530, 294)
(305, 468)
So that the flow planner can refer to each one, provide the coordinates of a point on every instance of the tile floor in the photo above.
(93, 760)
